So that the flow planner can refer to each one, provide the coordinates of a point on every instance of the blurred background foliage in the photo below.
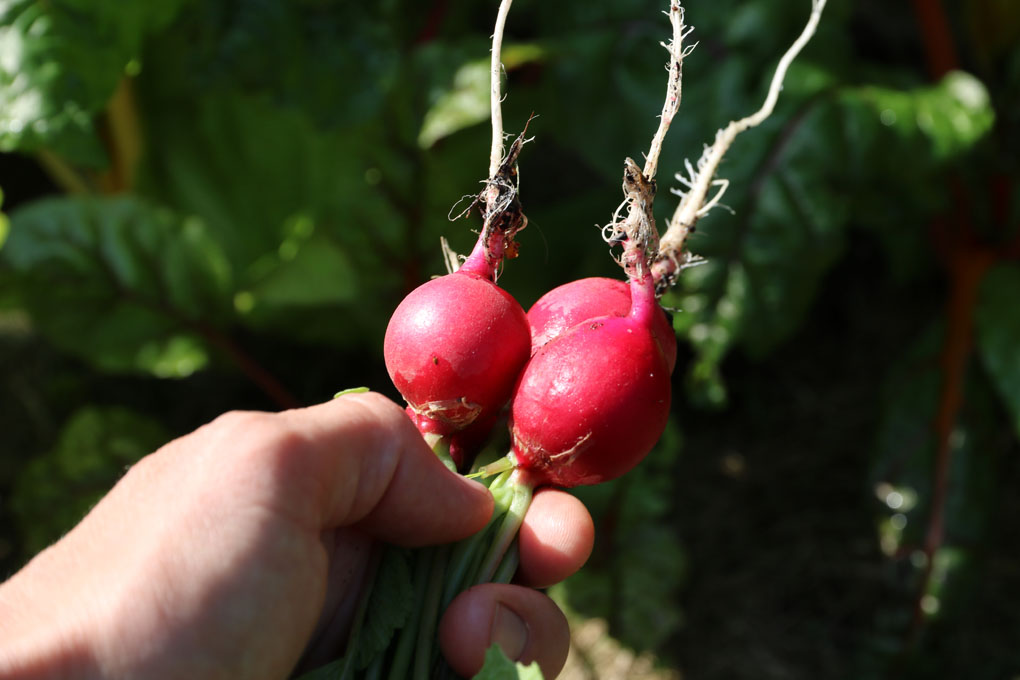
(210, 206)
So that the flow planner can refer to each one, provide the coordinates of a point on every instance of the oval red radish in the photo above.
(593, 401)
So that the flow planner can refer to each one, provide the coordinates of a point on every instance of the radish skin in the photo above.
(592, 402)
(453, 348)
(570, 304)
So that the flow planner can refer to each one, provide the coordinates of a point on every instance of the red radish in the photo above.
(577, 301)
(592, 402)
(454, 347)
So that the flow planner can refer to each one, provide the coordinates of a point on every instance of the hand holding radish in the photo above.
(224, 553)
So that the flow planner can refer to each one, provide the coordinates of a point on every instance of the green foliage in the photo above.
(391, 603)
(55, 490)
(637, 563)
(467, 102)
(125, 285)
(906, 483)
(239, 46)
(498, 667)
(61, 62)
(767, 258)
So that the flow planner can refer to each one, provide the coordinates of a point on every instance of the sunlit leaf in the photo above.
(948, 118)
(60, 63)
(466, 103)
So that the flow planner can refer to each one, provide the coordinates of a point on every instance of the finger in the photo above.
(526, 624)
(556, 538)
(356, 461)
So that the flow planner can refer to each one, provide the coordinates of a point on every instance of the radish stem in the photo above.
(354, 637)
(508, 528)
(467, 554)
(508, 567)
(374, 671)
(409, 633)
(430, 614)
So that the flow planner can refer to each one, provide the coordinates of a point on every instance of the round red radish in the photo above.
(454, 347)
(577, 301)
(591, 403)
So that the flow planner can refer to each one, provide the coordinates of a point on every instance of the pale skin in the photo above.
(237, 549)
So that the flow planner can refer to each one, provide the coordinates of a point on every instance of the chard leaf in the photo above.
(904, 477)
(767, 259)
(289, 52)
(60, 62)
(120, 283)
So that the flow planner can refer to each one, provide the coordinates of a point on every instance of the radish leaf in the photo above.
(391, 603)
(498, 667)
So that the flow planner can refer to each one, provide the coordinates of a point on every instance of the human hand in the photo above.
(225, 552)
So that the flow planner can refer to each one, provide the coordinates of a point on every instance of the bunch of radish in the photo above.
(582, 380)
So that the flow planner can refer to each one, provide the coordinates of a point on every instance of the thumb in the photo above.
(359, 461)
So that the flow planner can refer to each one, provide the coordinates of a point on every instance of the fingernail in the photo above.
(509, 632)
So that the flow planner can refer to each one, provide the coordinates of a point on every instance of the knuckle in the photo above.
(256, 447)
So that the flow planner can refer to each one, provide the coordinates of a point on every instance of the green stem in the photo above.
(375, 670)
(430, 614)
(467, 554)
(508, 529)
(508, 567)
(409, 633)
(441, 447)
(351, 652)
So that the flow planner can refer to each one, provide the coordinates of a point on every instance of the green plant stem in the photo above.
(508, 566)
(375, 669)
(511, 524)
(467, 554)
(354, 637)
(63, 174)
(409, 633)
(430, 614)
